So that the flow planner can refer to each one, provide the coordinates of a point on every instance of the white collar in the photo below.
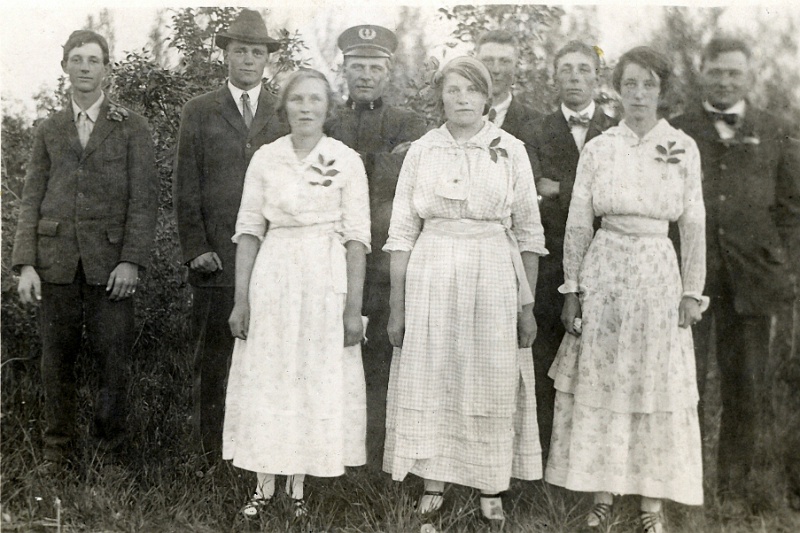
(738, 108)
(586, 111)
(94, 110)
(504, 105)
(237, 93)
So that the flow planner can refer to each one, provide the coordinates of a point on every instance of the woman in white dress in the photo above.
(465, 239)
(295, 400)
(626, 403)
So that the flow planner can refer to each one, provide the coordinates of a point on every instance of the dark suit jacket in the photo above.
(214, 149)
(96, 206)
(520, 122)
(751, 189)
(374, 133)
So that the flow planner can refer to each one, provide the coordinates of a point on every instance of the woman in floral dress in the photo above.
(626, 403)
(296, 396)
(465, 238)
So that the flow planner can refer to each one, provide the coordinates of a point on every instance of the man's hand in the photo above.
(122, 281)
(29, 286)
(547, 188)
(207, 263)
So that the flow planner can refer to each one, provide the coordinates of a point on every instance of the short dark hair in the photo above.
(579, 47)
(79, 38)
(499, 37)
(295, 78)
(648, 59)
(720, 45)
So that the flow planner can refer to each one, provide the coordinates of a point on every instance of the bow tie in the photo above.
(579, 120)
(731, 119)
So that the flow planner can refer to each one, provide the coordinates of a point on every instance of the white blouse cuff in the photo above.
(568, 287)
(237, 236)
(704, 301)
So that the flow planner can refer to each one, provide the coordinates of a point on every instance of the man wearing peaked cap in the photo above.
(220, 131)
(381, 134)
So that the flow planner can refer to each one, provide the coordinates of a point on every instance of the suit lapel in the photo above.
(563, 134)
(65, 120)
(512, 116)
(229, 111)
(598, 124)
(264, 114)
(101, 129)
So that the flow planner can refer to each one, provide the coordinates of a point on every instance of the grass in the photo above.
(160, 485)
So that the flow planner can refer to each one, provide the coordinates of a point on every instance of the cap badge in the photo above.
(367, 34)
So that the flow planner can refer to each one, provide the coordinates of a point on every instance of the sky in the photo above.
(32, 32)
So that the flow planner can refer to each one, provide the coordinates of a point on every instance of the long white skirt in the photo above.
(296, 398)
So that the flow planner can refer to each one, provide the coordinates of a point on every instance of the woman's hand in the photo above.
(526, 327)
(396, 327)
(239, 320)
(689, 312)
(571, 311)
(353, 328)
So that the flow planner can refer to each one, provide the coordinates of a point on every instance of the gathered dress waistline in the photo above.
(338, 253)
(465, 228)
(635, 225)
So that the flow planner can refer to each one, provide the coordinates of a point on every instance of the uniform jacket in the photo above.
(214, 149)
(95, 205)
(520, 122)
(751, 189)
(374, 133)
(557, 156)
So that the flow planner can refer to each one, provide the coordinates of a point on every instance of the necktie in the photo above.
(247, 113)
(84, 128)
(579, 120)
(731, 119)
(492, 115)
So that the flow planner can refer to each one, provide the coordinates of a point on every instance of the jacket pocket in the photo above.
(115, 234)
(48, 228)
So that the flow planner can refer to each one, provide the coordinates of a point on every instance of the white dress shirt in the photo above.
(253, 93)
(725, 130)
(85, 123)
(579, 132)
(500, 109)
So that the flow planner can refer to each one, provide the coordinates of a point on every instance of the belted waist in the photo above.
(466, 228)
(300, 232)
(635, 226)
(337, 252)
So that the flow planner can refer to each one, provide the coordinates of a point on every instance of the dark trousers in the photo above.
(377, 360)
(65, 310)
(742, 350)
(550, 333)
(213, 345)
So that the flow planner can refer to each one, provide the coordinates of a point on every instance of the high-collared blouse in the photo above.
(639, 185)
(486, 178)
(329, 185)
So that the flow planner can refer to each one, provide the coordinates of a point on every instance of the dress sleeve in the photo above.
(406, 223)
(250, 219)
(580, 221)
(692, 227)
(355, 203)
(525, 220)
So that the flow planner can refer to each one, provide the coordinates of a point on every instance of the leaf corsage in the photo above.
(116, 113)
(495, 149)
(668, 154)
(325, 169)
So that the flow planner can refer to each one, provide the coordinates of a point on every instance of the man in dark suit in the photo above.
(558, 140)
(499, 51)
(381, 134)
(220, 131)
(85, 229)
(751, 189)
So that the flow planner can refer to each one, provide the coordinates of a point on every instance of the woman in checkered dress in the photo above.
(465, 238)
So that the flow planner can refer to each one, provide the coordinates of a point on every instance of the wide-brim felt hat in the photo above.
(248, 27)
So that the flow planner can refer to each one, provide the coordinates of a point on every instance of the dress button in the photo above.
(721, 231)
(723, 166)
(722, 198)
(80, 195)
(248, 145)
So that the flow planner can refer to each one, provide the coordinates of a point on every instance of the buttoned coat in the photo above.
(214, 149)
(95, 205)
(751, 189)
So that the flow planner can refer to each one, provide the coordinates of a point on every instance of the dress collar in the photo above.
(587, 111)
(94, 110)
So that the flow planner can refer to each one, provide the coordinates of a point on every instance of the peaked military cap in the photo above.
(248, 27)
(368, 40)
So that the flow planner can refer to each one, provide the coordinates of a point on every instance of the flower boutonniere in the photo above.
(495, 149)
(116, 113)
(669, 154)
(325, 169)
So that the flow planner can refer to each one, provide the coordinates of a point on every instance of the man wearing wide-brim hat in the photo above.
(219, 133)
(381, 134)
